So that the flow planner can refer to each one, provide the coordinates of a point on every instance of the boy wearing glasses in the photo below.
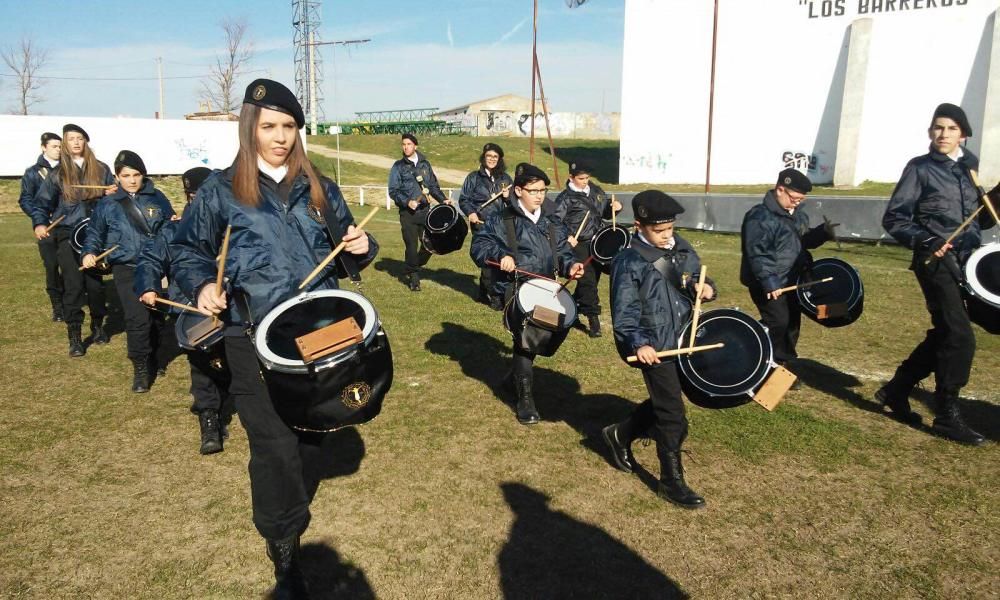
(538, 246)
(776, 239)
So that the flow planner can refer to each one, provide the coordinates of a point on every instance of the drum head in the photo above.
(185, 321)
(441, 217)
(608, 243)
(542, 292)
(725, 377)
(982, 274)
(275, 337)
(79, 235)
(846, 291)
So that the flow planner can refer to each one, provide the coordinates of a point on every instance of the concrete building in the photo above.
(510, 115)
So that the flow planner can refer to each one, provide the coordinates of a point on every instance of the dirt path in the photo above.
(453, 176)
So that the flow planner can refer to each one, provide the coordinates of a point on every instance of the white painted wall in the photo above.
(779, 85)
(166, 146)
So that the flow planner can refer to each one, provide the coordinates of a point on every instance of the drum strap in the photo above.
(133, 214)
(661, 262)
(344, 260)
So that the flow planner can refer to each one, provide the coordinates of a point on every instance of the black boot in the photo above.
(897, 403)
(75, 341)
(619, 440)
(526, 413)
(289, 583)
(57, 313)
(414, 282)
(140, 375)
(595, 326)
(211, 432)
(949, 424)
(672, 486)
(97, 333)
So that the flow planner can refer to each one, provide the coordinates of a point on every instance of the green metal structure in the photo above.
(412, 120)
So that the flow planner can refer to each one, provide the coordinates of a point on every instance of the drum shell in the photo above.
(982, 287)
(187, 319)
(982, 313)
(606, 244)
(846, 289)
(530, 336)
(444, 230)
(76, 240)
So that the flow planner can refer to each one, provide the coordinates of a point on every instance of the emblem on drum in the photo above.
(258, 92)
(356, 395)
(216, 363)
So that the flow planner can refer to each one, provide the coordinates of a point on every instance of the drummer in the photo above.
(648, 310)
(583, 198)
(71, 192)
(126, 221)
(30, 182)
(934, 195)
(210, 375)
(412, 184)
(540, 247)
(277, 205)
(480, 185)
(776, 239)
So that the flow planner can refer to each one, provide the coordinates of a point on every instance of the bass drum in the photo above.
(444, 230)
(76, 240)
(844, 297)
(339, 390)
(982, 287)
(727, 376)
(606, 244)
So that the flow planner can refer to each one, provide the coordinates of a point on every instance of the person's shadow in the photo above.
(557, 396)
(330, 455)
(549, 554)
(980, 415)
(463, 283)
(330, 576)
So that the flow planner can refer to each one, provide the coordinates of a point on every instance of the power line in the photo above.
(129, 78)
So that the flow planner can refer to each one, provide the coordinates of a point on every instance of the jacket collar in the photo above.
(968, 159)
(771, 202)
(146, 189)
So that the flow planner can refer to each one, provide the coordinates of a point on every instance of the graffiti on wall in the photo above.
(647, 162)
(811, 163)
(499, 122)
(193, 150)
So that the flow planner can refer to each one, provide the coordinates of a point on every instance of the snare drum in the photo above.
(606, 245)
(727, 376)
(544, 332)
(338, 390)
(833, 303)
(76, 240)
(187, 329)
(444, 229)
(982, 287)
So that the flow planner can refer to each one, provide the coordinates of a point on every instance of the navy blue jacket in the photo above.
(933, 197)
(49, 203)
(646, 309)
(403, 184)
(31, 181)
(534, 249)
(110, 225)
(775, 245)
(153, 265)
(571, 206)
(272, 247)
(477, 189)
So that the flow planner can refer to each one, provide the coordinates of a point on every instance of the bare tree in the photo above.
(25, 61)
(220, 87)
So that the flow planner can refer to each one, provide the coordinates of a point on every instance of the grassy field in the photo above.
(446, 496)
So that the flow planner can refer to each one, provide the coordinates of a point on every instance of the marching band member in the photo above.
(480, 185)
(277, 205)
(30, 182)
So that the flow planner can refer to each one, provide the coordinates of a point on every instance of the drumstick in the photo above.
(494, 263)
(802, 285)
(957, 231)
(664, 353)
(98, 258)
(569, 279)
(579, 229)
(696, 312)
(322, 265)
(178, 305)
(54, 223)
(494, 196)
(982, 196)
(222, 261)
(92, 187)
(613, 220)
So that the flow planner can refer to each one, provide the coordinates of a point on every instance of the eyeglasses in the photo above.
(535, 192)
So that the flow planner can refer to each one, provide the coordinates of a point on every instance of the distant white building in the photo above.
(510, 115)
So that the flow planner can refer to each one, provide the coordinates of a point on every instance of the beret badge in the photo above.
(258, 92)
(788, 180)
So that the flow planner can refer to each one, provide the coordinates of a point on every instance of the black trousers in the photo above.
(662, 416)
(487, 278)
(585, 294)
(950, 345)
(47, 249)
(412, 226)
(523, 361)
(210, 379)
(78, 285)
(783, 318)
(281, 483)
(146, 331)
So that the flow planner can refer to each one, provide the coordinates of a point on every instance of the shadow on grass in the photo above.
(330, 577)
(603, 159)
(330, 455)
(463, 283)
(982, 416)
(549, 554)
(557, 396)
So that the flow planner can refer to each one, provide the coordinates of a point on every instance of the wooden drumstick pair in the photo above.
(494, 263)
(218, 279)
(986, 203)
(494, 197)
(52, 225)
(799, 286)
(329, 257)
(101, 256)
(679, 351)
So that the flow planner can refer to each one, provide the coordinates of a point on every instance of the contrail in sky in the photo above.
(451, 40)
(515, 29)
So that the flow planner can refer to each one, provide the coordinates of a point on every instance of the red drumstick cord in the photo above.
(585, 263)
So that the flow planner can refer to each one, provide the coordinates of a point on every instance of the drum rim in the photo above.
(764, 365)
(549, 286)
(273, 362)
(78, 245)
(807, 303)
(451, 223)
(182, 340)
(604, 231)
(975, 286)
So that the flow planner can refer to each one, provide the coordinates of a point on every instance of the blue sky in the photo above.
(422, 54)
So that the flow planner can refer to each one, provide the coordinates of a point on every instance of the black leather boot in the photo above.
(526, 413)
(595, 326)
(98, 335)
(414, 282)
(140, 375)
(211, 432)
(949, 423)
(57, 313)
(289, 583)
(672, 486)
(619, 440)
(898, 404)
(75, 340)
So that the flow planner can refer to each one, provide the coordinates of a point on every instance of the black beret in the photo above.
(652, 207)
(273, 95)
(578, 166)
(491, 146)
(411, 137)
(794, 180)
(127, 158)
(956, 114)
(68, 127)
(193, 178)
(48, 136)
(525, 173)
